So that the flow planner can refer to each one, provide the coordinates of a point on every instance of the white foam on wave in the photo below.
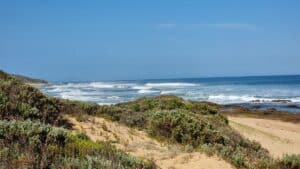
(142, 87)
(225, 99)
(296, 99)
(145, 91)
(76, 94)
(56, 90)
(177, 84)
(109, 92)
(113, 97)
(230, 98)
(170, 92)
(70, 85)
(107, 85)
(104, 103)
(101, 85)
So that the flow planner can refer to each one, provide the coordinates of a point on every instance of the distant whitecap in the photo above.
(260, 92)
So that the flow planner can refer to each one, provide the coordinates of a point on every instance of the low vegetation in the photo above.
(167, 118)
(20, 102)
(34, 145)
(30, 80)
(172, 119)
(290, 161)
(28, 138)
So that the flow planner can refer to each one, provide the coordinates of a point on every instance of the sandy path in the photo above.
(276, 136)
(140, 144)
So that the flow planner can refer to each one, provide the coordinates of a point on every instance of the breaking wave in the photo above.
(170, 84)
(223, 92)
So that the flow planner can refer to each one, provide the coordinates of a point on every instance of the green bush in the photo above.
(202, 108)
(21, 101)
(207, 134)
(290, 162)
(33, 145)
(182, 127)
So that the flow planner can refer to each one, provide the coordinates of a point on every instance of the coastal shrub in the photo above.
(290, 162)
(21, 101)
(165, 102)
(33, 145)
(75, 107)
(202, 108)
(182, 127)
(185, 127)
(3, 103)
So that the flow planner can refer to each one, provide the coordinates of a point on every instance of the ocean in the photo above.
(261, 92)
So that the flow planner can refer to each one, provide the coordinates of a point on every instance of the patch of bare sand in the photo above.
(278, 137)
(138, 143)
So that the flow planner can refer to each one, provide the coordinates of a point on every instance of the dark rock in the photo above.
(293, 106)
(281, 101)
(255, 101)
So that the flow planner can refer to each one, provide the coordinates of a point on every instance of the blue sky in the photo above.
(63, 40)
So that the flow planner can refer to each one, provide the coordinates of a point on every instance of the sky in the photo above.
(72, 40)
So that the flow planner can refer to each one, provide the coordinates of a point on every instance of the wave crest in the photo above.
(177, 84)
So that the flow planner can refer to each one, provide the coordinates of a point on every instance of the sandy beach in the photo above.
(277, 136)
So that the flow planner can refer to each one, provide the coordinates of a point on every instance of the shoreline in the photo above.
(240, 111)
(274, 105)
(37, 84)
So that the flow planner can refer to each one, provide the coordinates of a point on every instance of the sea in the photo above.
(259, 92)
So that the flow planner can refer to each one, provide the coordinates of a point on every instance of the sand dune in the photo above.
(278, 137)
(140, 144)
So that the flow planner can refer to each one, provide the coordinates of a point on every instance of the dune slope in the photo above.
(138, 143)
